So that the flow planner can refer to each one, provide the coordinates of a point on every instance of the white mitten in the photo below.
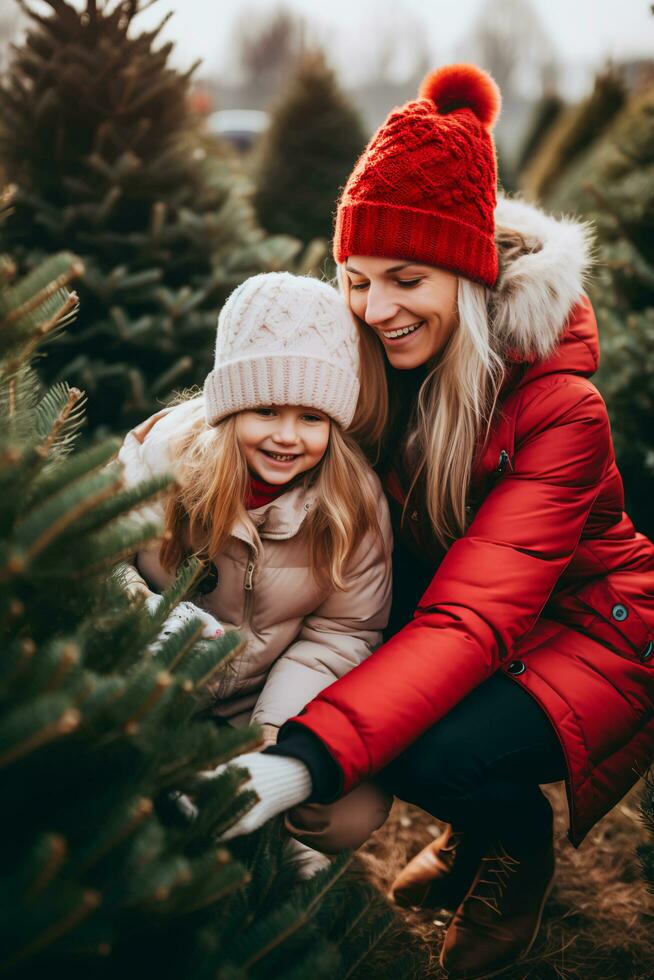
(183, 613)
(279, 781)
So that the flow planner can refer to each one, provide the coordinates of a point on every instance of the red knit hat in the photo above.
(425, 186)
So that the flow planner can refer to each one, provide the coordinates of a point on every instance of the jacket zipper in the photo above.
(249, 589)
(502, 463)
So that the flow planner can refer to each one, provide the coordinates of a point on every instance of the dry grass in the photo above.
(599, 920)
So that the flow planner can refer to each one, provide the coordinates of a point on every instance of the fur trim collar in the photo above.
(536, 290)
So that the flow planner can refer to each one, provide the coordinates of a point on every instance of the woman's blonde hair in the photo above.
(212, 486)
(453, 409)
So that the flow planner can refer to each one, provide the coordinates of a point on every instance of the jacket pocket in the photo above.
(618, 623)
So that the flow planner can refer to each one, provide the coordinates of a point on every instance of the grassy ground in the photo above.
(599, 920)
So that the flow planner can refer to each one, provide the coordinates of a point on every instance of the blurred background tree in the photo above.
(97, 136)
(598, 161)
(266, 47)
(570, 132)
(543, 116)
(508, 39)
(313, 141)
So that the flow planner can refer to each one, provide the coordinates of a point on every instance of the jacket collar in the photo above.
(537, 295)
(280, 519)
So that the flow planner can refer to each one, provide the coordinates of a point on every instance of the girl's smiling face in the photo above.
(410, 306)
(280, 442)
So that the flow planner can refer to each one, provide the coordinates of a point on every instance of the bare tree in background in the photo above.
(510, 41)
(266, 46)
(397, 50)
(393, 62)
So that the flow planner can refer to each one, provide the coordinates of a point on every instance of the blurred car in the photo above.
(240, 127)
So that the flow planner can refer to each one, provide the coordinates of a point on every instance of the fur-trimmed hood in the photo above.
(537, 289)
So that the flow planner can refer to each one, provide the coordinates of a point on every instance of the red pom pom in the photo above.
(463, 87)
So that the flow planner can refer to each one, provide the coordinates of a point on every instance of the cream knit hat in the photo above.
(284, 340)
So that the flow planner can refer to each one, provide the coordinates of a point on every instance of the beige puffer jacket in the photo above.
(299, 637)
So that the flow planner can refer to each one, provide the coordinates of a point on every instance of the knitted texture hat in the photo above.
(425, 186)
(284, 340)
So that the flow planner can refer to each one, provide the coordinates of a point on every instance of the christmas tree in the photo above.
(106, 869)
(612, 183)
(571, 133)
(96, 133)
(314, 139)
(546, 111)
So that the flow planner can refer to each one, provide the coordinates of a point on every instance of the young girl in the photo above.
(529, 657)
(275, 496)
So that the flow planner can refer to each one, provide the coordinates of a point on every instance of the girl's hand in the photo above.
(181, 615)
(279, 781)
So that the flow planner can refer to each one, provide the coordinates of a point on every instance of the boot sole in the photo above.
(523, 955)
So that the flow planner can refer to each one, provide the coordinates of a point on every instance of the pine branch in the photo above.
(69, 471)
(275, 923)
(25, 730)
(37, 300)
(45, 862)
(49, 520)
(59, 422)
(69, 917)
(121, 825)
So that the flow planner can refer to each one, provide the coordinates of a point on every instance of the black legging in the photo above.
(480, 767)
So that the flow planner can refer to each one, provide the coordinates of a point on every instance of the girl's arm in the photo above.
(339, 635)
(132, 581)
(487, 594)
(141, 463)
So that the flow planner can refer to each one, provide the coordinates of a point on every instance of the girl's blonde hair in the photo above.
(212, 486)
(453, 410)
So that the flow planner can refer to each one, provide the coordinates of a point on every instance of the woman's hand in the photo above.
(183, 613)
(279, 781)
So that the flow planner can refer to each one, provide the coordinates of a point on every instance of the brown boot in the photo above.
(499, 918)
(440, 875)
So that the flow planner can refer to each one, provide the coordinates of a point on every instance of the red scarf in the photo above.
(260, 492)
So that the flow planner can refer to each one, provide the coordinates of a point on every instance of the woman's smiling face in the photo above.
(411, 307)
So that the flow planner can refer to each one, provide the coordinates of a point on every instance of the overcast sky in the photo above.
(583, 32)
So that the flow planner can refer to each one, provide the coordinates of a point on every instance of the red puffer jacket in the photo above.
(550, 583)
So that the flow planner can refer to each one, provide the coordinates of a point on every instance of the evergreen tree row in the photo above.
(95, 132)
(611, 182)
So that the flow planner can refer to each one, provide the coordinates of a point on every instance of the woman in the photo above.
(529, 656)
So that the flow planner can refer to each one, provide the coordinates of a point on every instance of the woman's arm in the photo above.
(487, 594)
